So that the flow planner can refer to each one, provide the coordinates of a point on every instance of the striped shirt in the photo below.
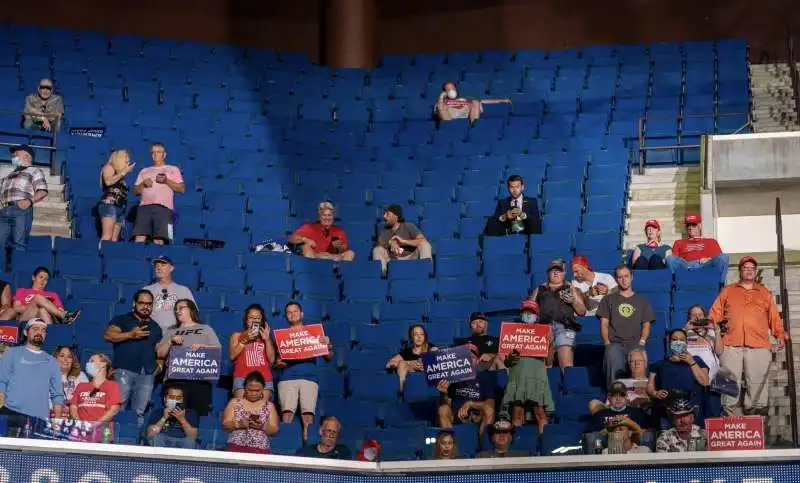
(22, 184)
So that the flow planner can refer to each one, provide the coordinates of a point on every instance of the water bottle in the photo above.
(598, 446)
(691, 445)
(27, 429)
(107, 434)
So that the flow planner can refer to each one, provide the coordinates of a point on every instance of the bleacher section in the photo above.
(263, 136)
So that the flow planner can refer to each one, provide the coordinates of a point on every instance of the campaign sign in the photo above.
(452, 365)
(301, 342)
(67, 430)
(530, 340)
(732, 433)
(9, 334)
(188, 365)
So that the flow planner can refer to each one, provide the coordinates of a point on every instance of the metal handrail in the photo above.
(50, 137)
(785, 315)
(642, 138)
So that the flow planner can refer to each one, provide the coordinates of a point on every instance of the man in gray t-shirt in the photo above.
(165, 293)
(399, 240)
(625, 319)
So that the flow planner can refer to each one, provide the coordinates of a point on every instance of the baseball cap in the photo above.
(477, 316)
(162, 259)
(557, 264)
(580, 260)
(529, 304)
(691, 219)
(682, 406)
(502, 426)
(618, 388)
(23, 147)
(35, 321)
(654, 223)
(747, 259)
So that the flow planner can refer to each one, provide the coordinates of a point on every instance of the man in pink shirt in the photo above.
(156, 186)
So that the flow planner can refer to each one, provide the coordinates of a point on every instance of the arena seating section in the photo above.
(262, 137)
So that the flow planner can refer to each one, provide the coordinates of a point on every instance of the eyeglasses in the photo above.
(164, 293)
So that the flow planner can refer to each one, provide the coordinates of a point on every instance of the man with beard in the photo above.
(28, 376)
(135, 336)
(399, 240)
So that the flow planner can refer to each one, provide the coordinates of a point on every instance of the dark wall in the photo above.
(427, 25)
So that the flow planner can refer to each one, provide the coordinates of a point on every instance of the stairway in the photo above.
(773, 105)
(50, 216)
(779, 428)
(666, 194)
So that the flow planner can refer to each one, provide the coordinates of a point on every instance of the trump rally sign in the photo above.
(188, 365)
(530, 340)
(300, 342)
(451, 365)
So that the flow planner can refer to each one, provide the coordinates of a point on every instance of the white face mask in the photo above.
(452, 93)
(16, 162)
(529, 318)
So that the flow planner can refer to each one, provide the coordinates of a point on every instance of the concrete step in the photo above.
(62, 231)
(665, 194)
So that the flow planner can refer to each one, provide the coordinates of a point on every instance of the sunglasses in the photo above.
(47, 88)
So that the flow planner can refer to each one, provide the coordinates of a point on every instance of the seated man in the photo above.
(502, 434)
(449, 106)
(329, 431)
(684, 434)
(622, 436)
(323, 239)
(399, 240)
(515, 214)
(618, 405)
(43, 109)
(468, 401)
(175, 426)
(486, 345)
(696, 251)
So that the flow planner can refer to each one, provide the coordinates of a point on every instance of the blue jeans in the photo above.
(163, 441)
(15, 223)
(720, 262)
(137, 388)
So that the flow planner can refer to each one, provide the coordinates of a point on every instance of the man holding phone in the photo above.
(323, 239)
(176, 426)
(134, 337)
(516, 214)
(157, 185)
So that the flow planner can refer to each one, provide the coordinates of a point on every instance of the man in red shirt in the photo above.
(322, 239)
(697, 252)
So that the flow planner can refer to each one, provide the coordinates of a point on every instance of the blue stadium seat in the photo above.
(78, 267)
(699, 279)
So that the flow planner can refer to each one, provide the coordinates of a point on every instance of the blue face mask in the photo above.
(16, 162)
(92, 369)
(529, 318)
(678, 347)
(618, 409)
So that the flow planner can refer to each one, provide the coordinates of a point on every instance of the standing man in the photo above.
(19, 191)
(515, 214)
(399, 240)
(625, 319)
(135, 336)
(43, 109)
(157, 185)
(749, 313)
(166, 292)
(29, 379)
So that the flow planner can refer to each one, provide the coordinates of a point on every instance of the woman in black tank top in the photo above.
(559, 302)
(115, 194)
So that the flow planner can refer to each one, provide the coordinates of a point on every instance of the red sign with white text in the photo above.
(733, 433)
(9, 334)
(530, 340)
(301, 342)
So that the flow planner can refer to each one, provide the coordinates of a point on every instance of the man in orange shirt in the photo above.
(694, 251)
(751, 314)
(322, 239)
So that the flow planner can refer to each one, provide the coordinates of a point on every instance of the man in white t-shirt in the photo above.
(166, 292)
(593, 285)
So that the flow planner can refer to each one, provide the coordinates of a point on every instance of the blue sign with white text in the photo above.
(451, 365)
(188, 365)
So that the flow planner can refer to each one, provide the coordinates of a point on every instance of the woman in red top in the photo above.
(252, 350)
(99, 400)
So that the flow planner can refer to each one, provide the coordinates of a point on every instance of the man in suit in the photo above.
(515, 214)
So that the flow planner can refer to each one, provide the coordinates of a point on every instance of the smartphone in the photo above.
(255, 418)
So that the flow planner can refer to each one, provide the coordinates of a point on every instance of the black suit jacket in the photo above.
(532, 222)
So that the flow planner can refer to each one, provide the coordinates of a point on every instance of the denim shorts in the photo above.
(110, 210)
(562, 336)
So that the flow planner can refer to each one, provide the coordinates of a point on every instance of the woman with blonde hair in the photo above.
(114, 200)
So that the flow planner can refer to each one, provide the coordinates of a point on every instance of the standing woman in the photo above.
(97, 401)
(71, 373)
(190, 332)
(114, 200)
(252, 350)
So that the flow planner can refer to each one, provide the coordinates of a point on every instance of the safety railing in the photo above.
(39, 140)
(784, 292)
(795, 76)
(644, 149)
